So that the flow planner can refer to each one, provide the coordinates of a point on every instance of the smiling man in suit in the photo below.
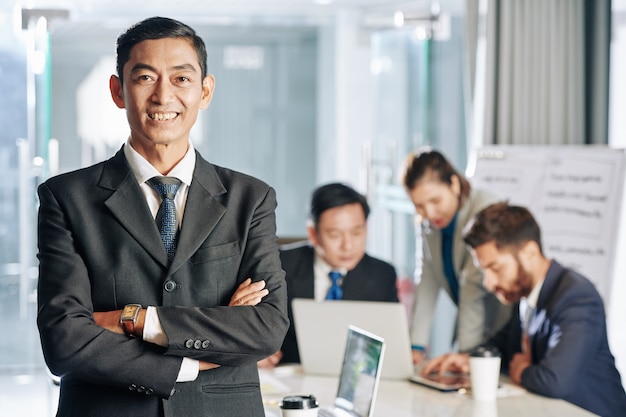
(555, 343)
(333, 264)
(167, 319)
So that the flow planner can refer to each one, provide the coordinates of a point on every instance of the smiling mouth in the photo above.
(162, 116)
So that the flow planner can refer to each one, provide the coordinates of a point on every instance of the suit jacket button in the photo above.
(132, 387)
(170, 286)
(141, 389)
(197, 344)
(205, 344)
(149, 391)
(188, 343)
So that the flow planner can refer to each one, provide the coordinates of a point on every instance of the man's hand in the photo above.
(450, 362)
(205, 366)
(109, 320)
(249, 293)
(271, 361)
(520, 361)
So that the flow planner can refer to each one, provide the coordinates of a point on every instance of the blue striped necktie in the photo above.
(167, 187)
(334, 292)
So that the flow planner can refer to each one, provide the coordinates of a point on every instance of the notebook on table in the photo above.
(359, 376)
(321, 328)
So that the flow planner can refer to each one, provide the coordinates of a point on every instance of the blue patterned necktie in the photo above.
(167, 187)
(334, 292)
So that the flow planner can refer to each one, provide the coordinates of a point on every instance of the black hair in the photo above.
(426, 161)
(157, 28)
(335, 195)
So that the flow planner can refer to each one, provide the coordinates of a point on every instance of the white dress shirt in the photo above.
(143, 171)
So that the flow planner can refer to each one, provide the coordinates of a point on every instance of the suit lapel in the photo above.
(203, 211)
(127, 204)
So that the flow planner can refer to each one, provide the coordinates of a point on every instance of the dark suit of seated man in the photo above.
(556, 341)
(337, 233)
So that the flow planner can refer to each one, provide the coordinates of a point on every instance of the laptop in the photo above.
(322, 345)
(359, 376)
(321, 328)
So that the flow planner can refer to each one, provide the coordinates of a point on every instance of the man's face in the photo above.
(504, 273)
(436, 201)
(163, 91)
(341, 235)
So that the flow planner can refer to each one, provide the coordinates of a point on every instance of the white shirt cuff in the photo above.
(153, 333)
(152, 329)
(189, 370)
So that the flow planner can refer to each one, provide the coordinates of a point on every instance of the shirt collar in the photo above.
(143, 170)
(533, 297)
(324, 267)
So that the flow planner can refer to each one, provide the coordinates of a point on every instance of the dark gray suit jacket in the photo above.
(571, 358)
(99, 249)
(370, 280)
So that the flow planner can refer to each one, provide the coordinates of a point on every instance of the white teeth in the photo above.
(162, 116)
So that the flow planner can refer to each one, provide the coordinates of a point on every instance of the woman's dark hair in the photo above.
(334, 195)
(428, 162)
(157, 28)
(503, 224)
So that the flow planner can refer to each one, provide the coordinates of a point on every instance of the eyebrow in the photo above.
(140, 66)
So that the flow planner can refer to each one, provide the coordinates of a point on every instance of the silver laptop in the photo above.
(321, 328)
(359, 376)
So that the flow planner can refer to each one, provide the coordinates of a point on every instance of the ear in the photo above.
(455, 185)
(208, 86)
(312, 233)
(529, 252)
(117, 91)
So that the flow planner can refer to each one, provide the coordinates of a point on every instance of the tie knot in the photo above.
(334, 276)
(166, 187)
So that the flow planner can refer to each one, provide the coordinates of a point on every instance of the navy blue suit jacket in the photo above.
(569, 346)
(370, 280)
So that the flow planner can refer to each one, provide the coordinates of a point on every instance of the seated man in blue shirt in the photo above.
(556, 341)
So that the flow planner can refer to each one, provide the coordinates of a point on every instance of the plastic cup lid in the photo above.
(298, 402)
(485, 352)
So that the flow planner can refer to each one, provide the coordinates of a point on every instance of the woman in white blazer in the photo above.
(445, 202)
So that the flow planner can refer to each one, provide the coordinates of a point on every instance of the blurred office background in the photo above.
(307, 91)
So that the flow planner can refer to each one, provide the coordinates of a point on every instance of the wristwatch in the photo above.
(128, 318)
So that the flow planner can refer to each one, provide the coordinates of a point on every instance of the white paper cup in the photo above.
(299, 406)
(485, 373)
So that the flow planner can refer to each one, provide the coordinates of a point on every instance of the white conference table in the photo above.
(405, 399)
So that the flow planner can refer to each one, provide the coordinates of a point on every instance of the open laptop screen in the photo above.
(360, 372)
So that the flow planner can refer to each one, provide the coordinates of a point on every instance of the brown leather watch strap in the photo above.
(128, 318)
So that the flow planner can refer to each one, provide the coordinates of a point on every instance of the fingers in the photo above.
(205, 366)
(271, 361)
(249, 293)
(451, 362)
(432, 366)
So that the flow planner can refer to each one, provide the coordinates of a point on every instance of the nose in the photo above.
(162, 91)
(346, 242)
(428, 211)
(489, 281)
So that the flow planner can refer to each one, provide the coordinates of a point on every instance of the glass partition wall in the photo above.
(418, 76)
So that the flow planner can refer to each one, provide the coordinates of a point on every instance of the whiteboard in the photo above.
(574, 192)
